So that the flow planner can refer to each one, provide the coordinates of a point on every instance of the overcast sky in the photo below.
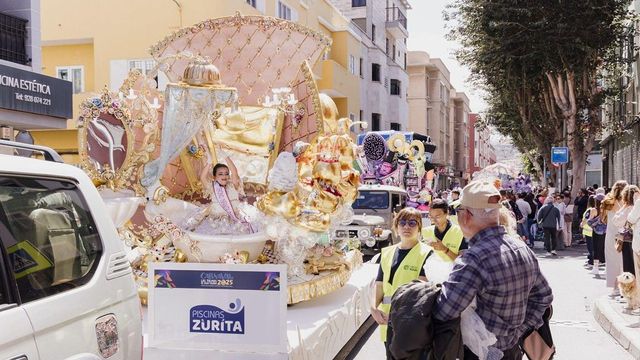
(427, 33)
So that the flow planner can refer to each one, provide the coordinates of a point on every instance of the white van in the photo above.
(66, 289)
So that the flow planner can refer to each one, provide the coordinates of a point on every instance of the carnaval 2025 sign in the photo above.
(218, 307)
(22, 90)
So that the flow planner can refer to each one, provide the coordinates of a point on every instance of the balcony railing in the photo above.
(13, 38)
(394, 14)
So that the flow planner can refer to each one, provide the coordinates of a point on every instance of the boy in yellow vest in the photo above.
(443, 236)
(399, 264)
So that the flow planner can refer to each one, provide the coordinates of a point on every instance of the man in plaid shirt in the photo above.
(499, 271)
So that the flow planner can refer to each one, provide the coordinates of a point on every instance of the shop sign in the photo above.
(22, 90)
(239, 309)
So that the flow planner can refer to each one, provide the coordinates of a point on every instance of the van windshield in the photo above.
(371, 200)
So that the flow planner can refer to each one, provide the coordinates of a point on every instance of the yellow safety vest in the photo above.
(408, 270)
(586, 229)
(452, 239)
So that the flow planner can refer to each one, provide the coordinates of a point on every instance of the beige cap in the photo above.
(480, 194)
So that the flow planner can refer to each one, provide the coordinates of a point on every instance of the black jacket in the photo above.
(414, 329)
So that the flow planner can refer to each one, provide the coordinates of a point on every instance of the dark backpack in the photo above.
(516, 211)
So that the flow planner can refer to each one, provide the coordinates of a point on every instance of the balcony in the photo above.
(338, 82)
(396, 23)
(13, 39)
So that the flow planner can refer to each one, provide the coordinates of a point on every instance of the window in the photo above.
(284, 12)
(49, 234)
(352, 64)
(361, 118)
(360, 68)
(375, 72)
(358, 3)
(368, 199)
(396, 126)
(375, 122)
(145, 66)
(13, 39)
(75, 74)
(393, 55)
(395, 87)
(386, 46)
(373, 33)
(252, 3)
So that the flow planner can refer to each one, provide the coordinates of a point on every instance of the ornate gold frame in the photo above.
(92, 108)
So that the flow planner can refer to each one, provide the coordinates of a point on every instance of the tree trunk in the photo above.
(579, 166)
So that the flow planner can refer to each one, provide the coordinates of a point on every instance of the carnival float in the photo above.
(398, 159)
(238, 91)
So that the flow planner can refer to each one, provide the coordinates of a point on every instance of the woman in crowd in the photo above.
(399, 264)
(580, 206)
(599, 229)
(634, 220)
(587, 232)
(611, 204)
(620, 221)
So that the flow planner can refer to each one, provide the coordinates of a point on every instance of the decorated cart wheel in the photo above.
(374, 147)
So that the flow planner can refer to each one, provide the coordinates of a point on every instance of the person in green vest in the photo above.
(399, 264)
(443, 236)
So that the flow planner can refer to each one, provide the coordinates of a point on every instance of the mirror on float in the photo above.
(105, 139)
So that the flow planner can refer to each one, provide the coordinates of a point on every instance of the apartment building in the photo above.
(99, 43)
(433, 111)
(461, 110)
(618, 156)
(28, 99)
(382, 26)
(481, 152)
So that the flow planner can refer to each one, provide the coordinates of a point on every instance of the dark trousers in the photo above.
(598, 247)
(512, 354)
(550, 239)
(627, 258)
(589, 240)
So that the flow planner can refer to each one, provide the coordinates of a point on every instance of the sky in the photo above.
(427, 33)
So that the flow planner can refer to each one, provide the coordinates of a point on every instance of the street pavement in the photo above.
(575, 331)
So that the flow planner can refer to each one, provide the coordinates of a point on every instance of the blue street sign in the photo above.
(559, 155)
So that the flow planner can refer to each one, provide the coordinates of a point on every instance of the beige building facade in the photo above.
(382, 26)
(95, 44)
(438, 110)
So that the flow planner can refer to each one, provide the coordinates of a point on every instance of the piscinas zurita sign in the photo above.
(27, 91)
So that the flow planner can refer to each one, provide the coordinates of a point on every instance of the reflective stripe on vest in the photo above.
(452, 239)
(408, 270)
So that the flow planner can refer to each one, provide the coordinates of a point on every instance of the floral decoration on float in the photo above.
(202, 170)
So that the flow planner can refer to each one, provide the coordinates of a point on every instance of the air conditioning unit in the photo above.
(6, 133)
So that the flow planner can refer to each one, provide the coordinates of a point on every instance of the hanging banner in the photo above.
(221, 308)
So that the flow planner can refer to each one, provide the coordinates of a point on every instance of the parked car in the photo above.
(66, 289)
(374, 210)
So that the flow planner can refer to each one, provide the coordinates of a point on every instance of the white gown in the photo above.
(214, 220)
(611, 256)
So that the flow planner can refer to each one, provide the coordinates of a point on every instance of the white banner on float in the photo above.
(218, 307)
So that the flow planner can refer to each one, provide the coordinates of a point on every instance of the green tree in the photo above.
(541, 60)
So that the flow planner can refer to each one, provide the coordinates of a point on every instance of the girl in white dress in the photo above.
(224, 215)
